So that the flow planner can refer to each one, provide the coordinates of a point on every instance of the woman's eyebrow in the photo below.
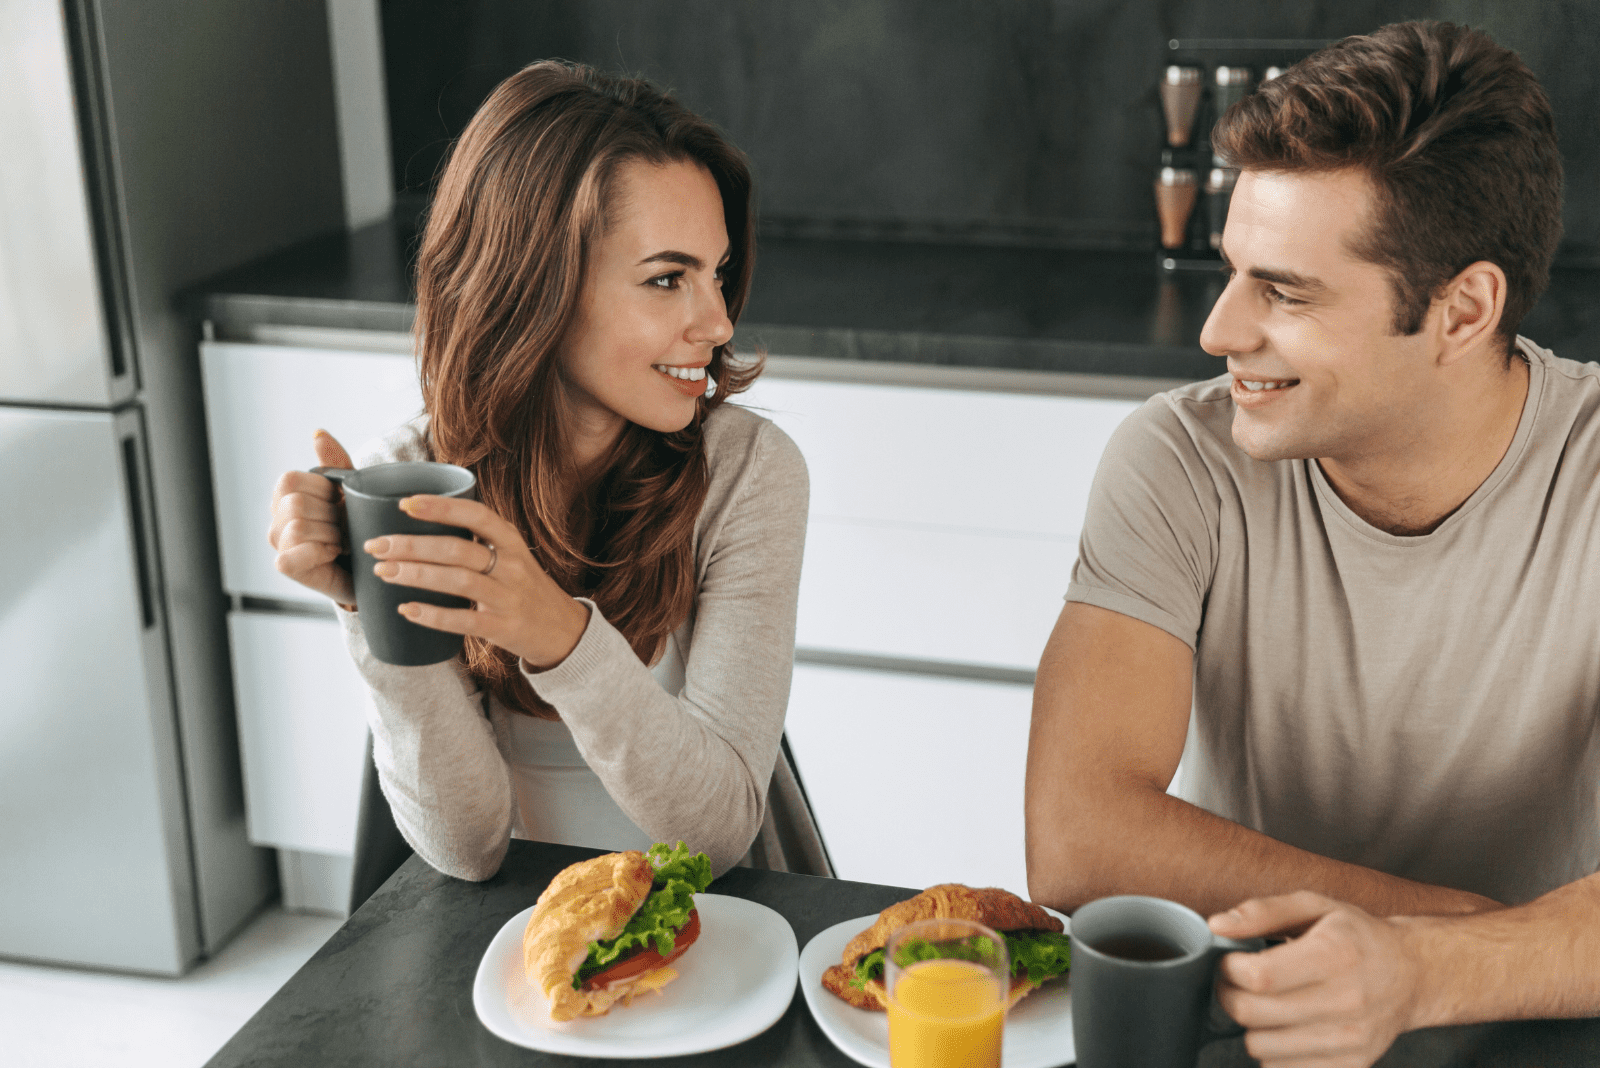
(682, 259)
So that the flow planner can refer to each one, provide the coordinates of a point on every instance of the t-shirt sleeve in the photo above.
(1149, 543)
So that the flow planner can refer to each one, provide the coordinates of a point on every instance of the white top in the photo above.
(684, 751)
(1425, 706)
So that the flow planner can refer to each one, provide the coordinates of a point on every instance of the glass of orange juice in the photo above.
(947, 983)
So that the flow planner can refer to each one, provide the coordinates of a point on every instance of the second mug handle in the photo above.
(1220, 1024)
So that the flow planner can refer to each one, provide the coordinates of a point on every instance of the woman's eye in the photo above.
(666, 281)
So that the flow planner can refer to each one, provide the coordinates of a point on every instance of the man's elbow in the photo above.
(1061, 871)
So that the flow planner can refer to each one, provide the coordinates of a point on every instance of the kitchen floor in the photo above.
(62, 1018)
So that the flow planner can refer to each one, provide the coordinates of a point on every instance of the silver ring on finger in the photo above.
(494, 558)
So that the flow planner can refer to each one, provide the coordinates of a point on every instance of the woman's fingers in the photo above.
(440, 578)
(329, 452)
(301, 501)
(460, 512)
(434, 549)
(454, 620)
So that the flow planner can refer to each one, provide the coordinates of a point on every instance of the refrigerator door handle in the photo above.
(136, 523)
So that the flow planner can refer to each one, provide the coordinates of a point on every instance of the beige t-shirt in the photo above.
(1425, 706)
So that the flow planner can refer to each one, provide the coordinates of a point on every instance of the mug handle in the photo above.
(1219, 1023)
(337, 475)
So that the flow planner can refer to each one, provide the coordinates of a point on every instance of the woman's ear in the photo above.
(1470, 309)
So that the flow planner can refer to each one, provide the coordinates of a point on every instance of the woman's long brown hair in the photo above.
(509, 237)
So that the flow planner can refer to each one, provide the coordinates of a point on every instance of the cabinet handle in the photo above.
(141, 543)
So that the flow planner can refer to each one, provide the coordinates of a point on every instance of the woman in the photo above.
(628, 656)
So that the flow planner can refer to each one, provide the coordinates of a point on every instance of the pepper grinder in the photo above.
(1176, 188)
(1180, 99)
(1219, 190)
(1232, 85)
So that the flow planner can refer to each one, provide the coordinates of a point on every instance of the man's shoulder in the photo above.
(1193, 422)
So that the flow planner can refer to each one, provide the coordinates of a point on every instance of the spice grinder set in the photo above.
(1192, 185)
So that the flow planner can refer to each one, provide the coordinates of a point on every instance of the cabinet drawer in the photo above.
(263, 403)
(914, 781)
(931, 594)
(950, 458)
(302, 731)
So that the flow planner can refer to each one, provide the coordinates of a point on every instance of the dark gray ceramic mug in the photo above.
(1142, 976)
(372, 498)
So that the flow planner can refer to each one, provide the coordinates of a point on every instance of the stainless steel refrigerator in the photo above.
(143, 146)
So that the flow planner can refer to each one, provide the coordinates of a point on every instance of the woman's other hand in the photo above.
(308, 528)
(517, 606)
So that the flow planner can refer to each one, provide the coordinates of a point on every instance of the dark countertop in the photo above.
(393, 986)
(963, 306)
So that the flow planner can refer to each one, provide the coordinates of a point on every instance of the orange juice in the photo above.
(946, 1014)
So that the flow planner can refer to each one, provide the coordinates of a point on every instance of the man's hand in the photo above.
(1335, 996)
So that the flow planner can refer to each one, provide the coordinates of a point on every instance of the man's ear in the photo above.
(1468, 312)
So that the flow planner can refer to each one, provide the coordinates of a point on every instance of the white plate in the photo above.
(1038, 1030)
(733, 984)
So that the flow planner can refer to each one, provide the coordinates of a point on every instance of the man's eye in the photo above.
(1279, 297)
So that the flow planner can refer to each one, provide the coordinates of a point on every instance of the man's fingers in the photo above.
(1278, 970)
(329, 452)
(1286, 914)
(1304, 995)
(1321, 1043)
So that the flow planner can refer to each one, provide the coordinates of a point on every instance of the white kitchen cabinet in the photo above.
(914, 780)
(303, 729)
(263, 403)
(944, 523)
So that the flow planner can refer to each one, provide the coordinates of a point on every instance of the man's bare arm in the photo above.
(1110, 713)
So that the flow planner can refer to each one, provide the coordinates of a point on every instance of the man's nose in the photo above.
(1233, 325)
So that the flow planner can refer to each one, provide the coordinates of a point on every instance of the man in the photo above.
(1369, 559)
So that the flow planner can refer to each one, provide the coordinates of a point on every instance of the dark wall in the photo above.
(1032, 121)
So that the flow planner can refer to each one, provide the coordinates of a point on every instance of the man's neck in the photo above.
(1410, 491)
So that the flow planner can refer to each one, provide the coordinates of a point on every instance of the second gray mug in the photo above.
(372, 497)
(1142, 973)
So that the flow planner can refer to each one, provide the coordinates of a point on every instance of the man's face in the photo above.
(1306, 326)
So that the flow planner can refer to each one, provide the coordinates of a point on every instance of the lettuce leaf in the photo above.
(1042, 954)
(679, 876)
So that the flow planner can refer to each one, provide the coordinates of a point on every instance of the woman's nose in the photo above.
(1231, 326)
(711, 323)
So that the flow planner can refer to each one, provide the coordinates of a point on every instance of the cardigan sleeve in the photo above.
(696, 765)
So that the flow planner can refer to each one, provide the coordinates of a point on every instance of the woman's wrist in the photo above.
(561, 639)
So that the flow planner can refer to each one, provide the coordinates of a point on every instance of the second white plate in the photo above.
(1038, 1029)
(733, 984)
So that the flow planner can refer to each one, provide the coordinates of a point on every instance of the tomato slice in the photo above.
(646, 959)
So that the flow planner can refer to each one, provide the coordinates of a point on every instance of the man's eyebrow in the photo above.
(682, 259)
(1279, 276)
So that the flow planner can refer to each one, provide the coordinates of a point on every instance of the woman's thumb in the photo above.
(329, 452)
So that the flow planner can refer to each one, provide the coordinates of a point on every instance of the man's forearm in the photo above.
(1137, 839)
(1536, 961)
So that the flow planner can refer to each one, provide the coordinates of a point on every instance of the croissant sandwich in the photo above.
(1038, 949)
(609, 928)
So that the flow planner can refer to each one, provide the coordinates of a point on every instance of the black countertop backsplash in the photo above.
(970, 306)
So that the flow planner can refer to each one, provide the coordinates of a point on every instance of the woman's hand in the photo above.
(516, 605)
(308, 527)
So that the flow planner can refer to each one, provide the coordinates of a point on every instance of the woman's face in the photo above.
(651, 309)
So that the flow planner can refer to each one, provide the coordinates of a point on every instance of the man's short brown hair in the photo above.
(1457, 138)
